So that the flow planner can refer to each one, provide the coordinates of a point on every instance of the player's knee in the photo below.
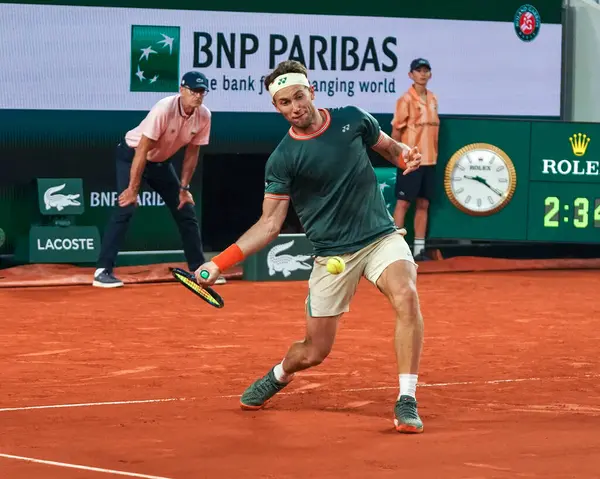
(405, 299)
(316, 357)
(316, 353)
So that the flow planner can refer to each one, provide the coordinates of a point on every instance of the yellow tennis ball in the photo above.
(335, 265)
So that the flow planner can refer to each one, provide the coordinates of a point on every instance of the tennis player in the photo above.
(322, 166)
(145, 154)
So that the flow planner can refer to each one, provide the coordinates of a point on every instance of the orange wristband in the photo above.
(229, 257)
(401, 162)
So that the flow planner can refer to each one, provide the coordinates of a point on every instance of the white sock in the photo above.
(280, 375)
(408, 385)
(418, 246)
(98, 271)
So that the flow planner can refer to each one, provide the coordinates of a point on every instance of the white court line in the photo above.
(302, 391)
(464, 383)
(474, 383)
(90, 404)
(83, 468)
(437, 385)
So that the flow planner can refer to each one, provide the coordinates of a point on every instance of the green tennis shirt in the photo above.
(330, 180)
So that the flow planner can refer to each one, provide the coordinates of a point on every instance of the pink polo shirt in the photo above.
(168, 125)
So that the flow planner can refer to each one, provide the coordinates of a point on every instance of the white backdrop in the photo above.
(61, 57)
(584, 88)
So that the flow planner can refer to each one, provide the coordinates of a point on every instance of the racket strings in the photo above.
(198, 289)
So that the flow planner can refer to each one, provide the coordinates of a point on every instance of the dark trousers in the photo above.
(161, 177)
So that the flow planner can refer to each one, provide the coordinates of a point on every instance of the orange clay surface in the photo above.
(509, 382)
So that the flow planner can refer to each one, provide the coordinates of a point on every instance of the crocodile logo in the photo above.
(59, 201)
(286, 263)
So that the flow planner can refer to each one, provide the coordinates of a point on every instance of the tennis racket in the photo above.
(205, 292)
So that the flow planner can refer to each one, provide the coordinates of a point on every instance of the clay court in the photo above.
(144, 381)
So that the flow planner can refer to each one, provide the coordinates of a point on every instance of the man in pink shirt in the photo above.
(145, 153)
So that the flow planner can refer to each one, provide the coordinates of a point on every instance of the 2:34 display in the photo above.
(586, 212)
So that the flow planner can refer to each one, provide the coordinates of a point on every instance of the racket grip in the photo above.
(204, 274)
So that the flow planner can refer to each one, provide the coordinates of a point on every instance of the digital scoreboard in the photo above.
(519, 181)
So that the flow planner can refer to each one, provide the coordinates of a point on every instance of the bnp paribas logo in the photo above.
(154, 58)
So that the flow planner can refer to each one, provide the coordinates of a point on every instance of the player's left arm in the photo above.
(397, 153)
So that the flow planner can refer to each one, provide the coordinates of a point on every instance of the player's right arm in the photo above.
(267, 228)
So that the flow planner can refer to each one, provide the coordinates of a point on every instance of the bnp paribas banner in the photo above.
(104, 58)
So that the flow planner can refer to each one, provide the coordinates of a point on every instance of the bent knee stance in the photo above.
(315, 353)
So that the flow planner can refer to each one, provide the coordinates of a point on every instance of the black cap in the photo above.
(419, 62)
(194, 81)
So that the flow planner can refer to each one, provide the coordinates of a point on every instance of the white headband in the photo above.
(287, 79)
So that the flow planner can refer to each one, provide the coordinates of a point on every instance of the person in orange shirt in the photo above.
(416, 122)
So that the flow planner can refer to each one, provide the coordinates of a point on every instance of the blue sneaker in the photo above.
(105, 279)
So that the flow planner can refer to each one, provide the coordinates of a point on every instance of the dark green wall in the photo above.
(80, 144)
(491, 10)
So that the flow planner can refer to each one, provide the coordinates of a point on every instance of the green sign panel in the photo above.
(565, 152)
(73, 244)
(288, 258)
(151, 228)
(60, 196)
(449, 221)
(386, 177)
(557, 170)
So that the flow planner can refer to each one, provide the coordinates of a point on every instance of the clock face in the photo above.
(480, 179)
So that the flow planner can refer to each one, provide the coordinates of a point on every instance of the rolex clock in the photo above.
(480, 179)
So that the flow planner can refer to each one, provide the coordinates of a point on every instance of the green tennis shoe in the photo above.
(407, 418)
(260, 391)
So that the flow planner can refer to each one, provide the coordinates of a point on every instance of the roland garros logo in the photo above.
(527, 23)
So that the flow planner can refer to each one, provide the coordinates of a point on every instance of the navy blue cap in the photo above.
(194, 81)
(419, 62)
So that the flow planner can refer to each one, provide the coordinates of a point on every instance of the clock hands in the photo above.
(483, 181)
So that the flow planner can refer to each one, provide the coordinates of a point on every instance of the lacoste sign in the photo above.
(286, 264)
(60, 196)
(73, 244)
(288, 258)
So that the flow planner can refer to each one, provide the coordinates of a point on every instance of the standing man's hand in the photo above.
(128, 197)
(185, 197)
